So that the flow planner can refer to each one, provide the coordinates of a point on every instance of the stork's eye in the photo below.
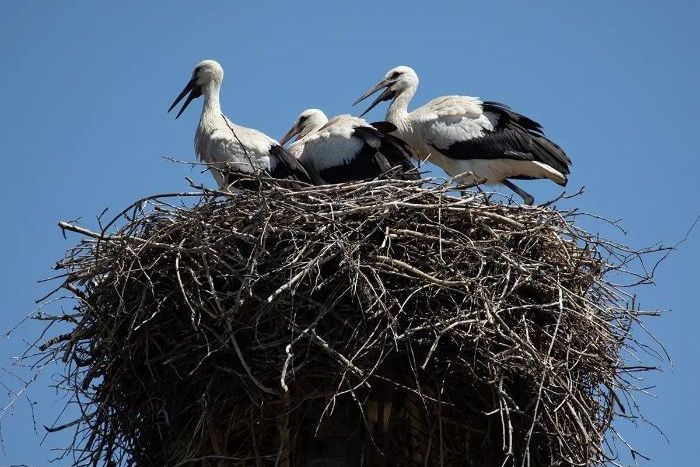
(395, 75)
(303, 118)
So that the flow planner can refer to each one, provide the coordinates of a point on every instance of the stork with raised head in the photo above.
(228, 149)
(346, 148)
(470, 139)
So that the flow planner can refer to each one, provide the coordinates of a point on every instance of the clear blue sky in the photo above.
(83, 127)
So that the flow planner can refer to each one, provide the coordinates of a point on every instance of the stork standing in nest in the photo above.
(228, 149)
(346, 148)
(470, 139)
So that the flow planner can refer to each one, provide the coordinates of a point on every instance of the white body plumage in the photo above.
(229, 149)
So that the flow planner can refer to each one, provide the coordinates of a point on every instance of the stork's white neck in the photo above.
(210, 119)
(211, 98)
(398, 110)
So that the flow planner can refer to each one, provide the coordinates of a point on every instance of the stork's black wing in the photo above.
(384, 127)
(515, 137)
(393, 152)
(286, 166)
(526, 135)
(362, 165)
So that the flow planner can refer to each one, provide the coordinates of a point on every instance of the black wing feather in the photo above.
(542, 148)
(384, 127)
(365, 165)
(381, 153)
(393, 151)
(502, 109)
(515, 137)
(288, 167)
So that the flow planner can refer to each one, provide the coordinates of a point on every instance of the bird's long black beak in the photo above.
(194, 90)
(388, 94)
(295, 130)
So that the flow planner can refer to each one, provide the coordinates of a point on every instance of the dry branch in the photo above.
(220, 329)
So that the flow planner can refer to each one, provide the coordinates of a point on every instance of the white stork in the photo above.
(305, 126)
(228, 149)
(347, 148)
(469, 139)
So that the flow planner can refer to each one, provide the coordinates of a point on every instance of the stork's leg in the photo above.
(527, 197)
(475, 182)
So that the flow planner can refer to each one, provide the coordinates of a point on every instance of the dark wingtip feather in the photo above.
(542, 148)
(505, 111)
(293, 168)
(393, 151)
(384, 127)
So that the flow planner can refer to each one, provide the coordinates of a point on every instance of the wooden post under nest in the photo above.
(336, 442)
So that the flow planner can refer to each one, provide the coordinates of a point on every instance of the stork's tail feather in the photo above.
(556, 176)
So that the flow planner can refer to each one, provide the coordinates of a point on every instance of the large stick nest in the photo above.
(427, 329)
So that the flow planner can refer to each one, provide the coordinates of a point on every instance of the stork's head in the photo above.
(206, 72)
(309, 120)
(396, 81)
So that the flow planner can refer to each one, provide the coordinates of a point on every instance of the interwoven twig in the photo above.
(206, 324)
